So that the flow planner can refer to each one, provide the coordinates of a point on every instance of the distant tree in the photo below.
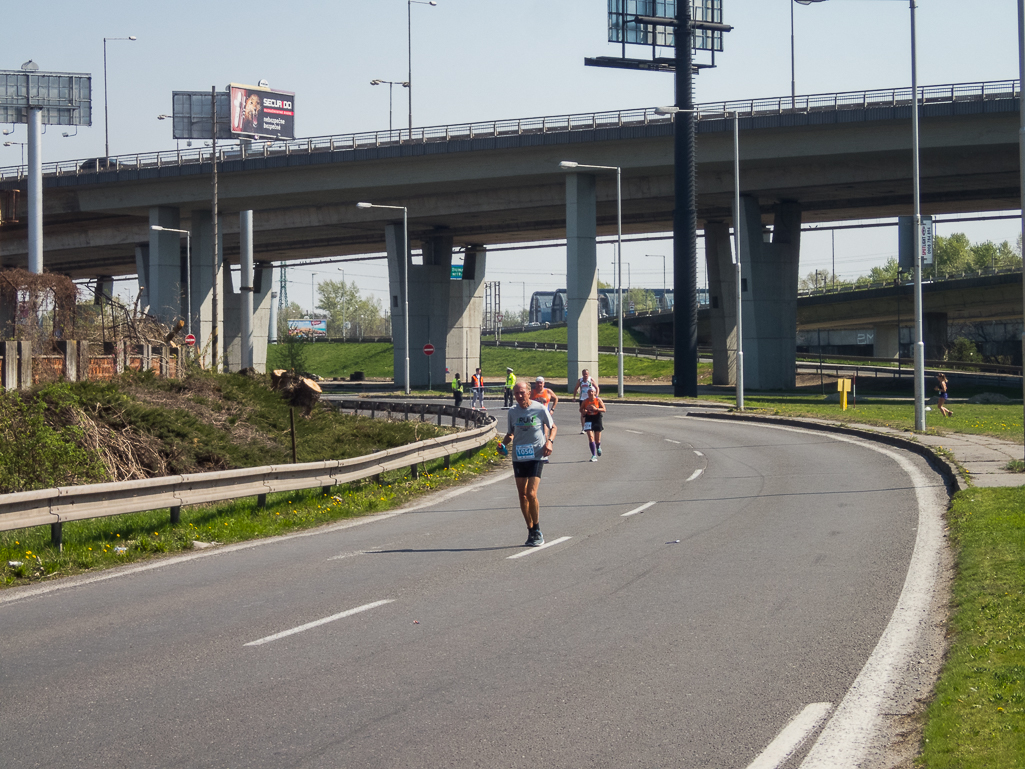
(642, 299)
(341, 302)
(819, 279)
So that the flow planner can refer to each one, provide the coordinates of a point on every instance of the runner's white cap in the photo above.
(540, 379)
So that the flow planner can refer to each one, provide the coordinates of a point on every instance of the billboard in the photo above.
(65, 98)
(624, 27)
(311, 328)
(191, 117)
(261, 112)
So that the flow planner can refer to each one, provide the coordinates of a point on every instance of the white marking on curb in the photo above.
(694, 476)
(640, 509)
(792, 737)
(530, 550)
(319, 622)
(670, 440)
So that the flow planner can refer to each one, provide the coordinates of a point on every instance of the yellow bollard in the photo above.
(843, 386)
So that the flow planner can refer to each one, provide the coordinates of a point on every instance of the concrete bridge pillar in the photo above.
(722, 290)
(769, 296)
(247, 312)
(887, 341)
(581, 276)
(202, 288)
(465, 314)
(160, 266)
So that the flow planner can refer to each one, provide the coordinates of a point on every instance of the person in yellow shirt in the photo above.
(510, 383)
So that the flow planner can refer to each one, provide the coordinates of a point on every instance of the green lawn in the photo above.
(977, 719)
(608, 336)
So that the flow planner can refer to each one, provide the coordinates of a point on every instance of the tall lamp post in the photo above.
(1021, 150)
(570, 165)
(188, 271)
(106, 119)
(793, 76)
(405, 276)
(919, 343)
(409, 46)
(662, 257)
(391, 83)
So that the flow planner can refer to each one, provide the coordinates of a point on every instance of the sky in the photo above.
(477, 60)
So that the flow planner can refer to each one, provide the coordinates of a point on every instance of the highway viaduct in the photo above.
(822, 158)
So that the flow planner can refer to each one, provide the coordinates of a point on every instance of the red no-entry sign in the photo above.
(190, 340)
(428, 349)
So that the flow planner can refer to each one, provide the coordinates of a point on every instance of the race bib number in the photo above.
(587, 425)
(525, 452)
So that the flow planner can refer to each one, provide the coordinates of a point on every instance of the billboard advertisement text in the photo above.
(262, 112)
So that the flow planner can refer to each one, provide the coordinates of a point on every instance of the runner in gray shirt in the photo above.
(528, 423)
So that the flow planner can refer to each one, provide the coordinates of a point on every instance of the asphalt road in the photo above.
(686, 634)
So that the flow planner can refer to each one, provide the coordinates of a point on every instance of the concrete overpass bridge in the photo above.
(817, 158)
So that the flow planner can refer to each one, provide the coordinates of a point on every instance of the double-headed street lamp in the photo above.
(409, 46)
(405, 275)
(391, 83)
(570, 165)
(106, 120)
(188, 271)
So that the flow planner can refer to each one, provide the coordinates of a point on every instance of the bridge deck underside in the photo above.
(509, 192)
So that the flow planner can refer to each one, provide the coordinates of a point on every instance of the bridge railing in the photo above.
(957, 92)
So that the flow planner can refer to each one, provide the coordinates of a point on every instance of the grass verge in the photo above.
(977, 719)
(26, 555)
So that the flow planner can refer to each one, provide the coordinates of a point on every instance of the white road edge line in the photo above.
(17, 594)
(854, 729)
(695, 475)
(530, 550)
(319, 622)
(640, 509)
(670, 440)
(792, 737)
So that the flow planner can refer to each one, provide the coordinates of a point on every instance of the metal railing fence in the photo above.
(891, 97)
(57, 506)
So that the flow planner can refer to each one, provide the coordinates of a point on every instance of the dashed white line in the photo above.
(694, 476)
(530, 550)
(792, 737)
(640, 509)
(699, 453)
(670, 440)
(318, 622)
(635, 432)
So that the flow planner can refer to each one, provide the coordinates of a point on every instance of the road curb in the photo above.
(952, 475)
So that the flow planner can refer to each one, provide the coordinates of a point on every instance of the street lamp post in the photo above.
(188, 272)
(23, 146)
(106, 120)
(391, 83)
(405, 276)
(313, 295)
(573, 165)
(1021, 150)
(663, 258)
(409, 46)
(793, 76)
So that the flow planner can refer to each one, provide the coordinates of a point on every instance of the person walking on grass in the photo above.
(584, 385)
(593, 412)
(457, 391)
(942, 394)
(528, 422)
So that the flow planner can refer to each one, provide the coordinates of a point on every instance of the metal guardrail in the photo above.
(893, 97)
(74, 503)
(653, 352)
(849, 288)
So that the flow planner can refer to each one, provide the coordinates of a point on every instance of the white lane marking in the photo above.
(792, 737)
(319, 622)
(640, 509)
(699, 453)
(670, 440)
(342, 556)
(530, 550)
(16, 594)
(694, 476)
(856, 726)
(635, 432)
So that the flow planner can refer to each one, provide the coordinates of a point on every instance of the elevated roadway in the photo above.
(836, 157)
